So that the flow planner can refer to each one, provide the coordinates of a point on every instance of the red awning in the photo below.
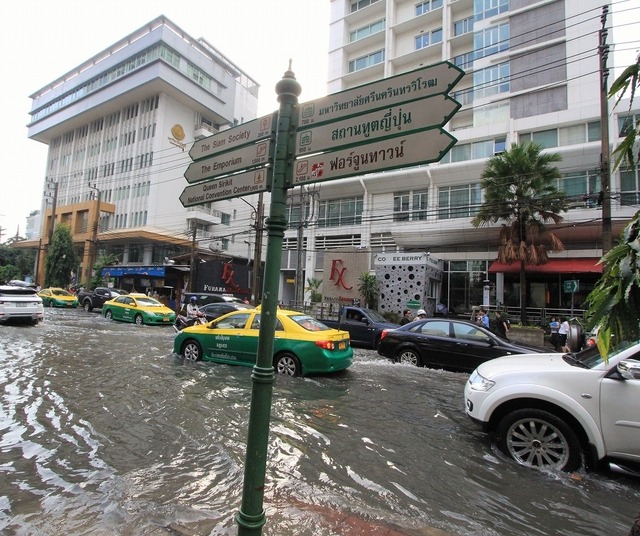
(553, 266)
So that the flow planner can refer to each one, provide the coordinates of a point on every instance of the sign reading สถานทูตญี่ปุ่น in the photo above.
(392, 123)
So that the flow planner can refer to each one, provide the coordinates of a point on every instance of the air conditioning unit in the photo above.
(216, 245)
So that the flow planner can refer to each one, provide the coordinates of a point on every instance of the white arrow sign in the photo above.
(233, 138)
(432, 80)
(238, 185)
(243, 158)
(403, 151)
(384, 123)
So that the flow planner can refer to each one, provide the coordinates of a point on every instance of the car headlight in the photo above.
(480, 383)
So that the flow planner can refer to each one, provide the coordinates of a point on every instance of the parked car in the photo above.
(57, 297)
(302, 345)
(203, 298)
(445, 343)
(551, 411)
(212, 311)
(20, 303)
(138, 308)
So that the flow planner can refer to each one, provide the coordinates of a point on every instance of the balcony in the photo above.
(203, 130)
(203, 215)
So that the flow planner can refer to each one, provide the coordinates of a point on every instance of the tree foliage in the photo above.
(313, 286)
(61, 259)
(520, 189)
(15, 263)
(613, 306)
(105, 260)
(628, 81)
(368, 287)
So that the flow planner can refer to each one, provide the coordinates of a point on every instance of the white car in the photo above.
(20, 303)
(555, 410)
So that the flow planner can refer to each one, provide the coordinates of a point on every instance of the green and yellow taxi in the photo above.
(139, 309)
(302, 345)
(57, 297)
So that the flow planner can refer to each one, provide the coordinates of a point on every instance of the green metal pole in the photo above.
(251, 516)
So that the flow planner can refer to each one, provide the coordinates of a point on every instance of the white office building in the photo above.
(532, 73)
(119, 127)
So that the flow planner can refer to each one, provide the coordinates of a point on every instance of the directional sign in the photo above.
(410, 150)
(233, 138)
(243, 158)
(238, 185)
(432, 80)
(571, 286)
(384, 123)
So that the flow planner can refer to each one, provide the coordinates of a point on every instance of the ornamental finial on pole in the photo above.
(288, 86)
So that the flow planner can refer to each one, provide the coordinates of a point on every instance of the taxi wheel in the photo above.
(287, 364)
(108, 315)
(138, 320)
(192, 351)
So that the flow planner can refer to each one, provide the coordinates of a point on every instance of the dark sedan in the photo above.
(214, 310)
(446, 343)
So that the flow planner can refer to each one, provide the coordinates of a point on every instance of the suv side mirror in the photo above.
(629, 369)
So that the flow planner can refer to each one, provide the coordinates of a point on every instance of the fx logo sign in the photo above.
(337, 274)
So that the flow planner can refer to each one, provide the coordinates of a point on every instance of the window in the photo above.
(594, 132)
(629, 191)
(135, 252)
(335, 212)
(366, 61)
(426, 6)
(461, 201)
(625, 124)
(463, 26)
(366, 31)
(491, 40)
(225, 219)
(464, 61)
(581, 186)
(492, 80)
(361, 4)
(483, 9)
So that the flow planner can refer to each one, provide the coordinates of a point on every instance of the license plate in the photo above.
(165, 320)
(19, 304)
(341, 345)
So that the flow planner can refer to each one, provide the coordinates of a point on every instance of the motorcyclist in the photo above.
(193, 311)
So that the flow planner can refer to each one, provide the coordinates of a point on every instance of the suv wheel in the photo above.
(538, 439)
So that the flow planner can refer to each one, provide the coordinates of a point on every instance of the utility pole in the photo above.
(192, 265)
(93, 246)
(605, 183)
(306, 199)
(257, 253)
(53, 212)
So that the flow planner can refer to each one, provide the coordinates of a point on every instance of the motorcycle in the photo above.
(184, 322)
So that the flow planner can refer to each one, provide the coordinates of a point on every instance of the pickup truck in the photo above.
(94, 299)
(364, 325)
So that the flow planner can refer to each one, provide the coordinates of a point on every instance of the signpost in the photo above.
(233, 138)
(249, 182)
(404, 151)
(434, 79)
(392, 123)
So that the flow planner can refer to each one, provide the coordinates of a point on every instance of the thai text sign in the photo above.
(403, 151)
(246, 183)
(386, 122)
(431, 80)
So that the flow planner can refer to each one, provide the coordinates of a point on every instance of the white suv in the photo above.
(18, 302)
(550, 410)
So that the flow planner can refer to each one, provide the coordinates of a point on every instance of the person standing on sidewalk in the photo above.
(563, 333)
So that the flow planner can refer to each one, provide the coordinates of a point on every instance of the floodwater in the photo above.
(103, 431)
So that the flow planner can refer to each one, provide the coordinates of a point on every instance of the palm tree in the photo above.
(313, 286)
(368, 287)
(520, 189)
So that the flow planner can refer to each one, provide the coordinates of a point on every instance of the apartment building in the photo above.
(118, 129)
(532, 72)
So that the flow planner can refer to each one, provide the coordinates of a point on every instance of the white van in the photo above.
(21, 303)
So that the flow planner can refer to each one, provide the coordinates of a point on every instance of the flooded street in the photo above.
(104, 432)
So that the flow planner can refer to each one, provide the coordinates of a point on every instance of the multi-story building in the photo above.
(118, 128)
(532, 72)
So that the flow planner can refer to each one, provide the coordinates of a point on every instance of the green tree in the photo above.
(312, 288)
(368, 287)
(61, 258)
(105, 260)
(520, 189)
(15, 263)
(628, 81)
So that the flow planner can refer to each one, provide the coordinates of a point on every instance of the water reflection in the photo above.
(104, 432)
